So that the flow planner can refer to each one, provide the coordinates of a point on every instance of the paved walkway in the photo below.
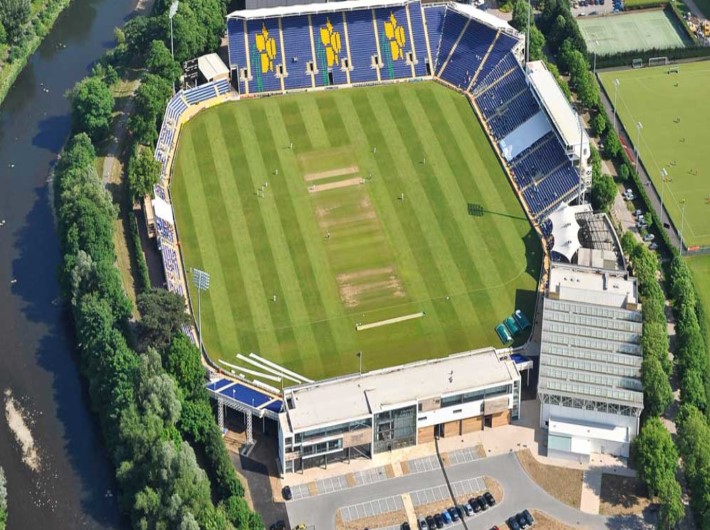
(591, 491)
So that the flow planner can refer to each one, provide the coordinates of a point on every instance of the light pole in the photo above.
(201, 279)
(359, 357)
(171, 14)
(616, 90)
(639, 126)
(664, 179)
(596, 43)
(682, 227)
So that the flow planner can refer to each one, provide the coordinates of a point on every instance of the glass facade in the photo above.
(395, 429)
(475, 396)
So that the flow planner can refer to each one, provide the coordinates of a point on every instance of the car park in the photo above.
(467, 508)
(286, 493)
(439, 520)
(431, 523)
(423, 524)
(474, 504)
(522, 520)
(460, 510)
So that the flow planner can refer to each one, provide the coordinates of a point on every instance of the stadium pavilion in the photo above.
(589, 382)
(364, 414)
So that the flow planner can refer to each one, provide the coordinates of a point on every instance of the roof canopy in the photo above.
(163, 210)
(305, 9)
(565, 230)
(212, 67)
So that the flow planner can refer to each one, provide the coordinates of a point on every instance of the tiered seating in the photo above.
(335, 35)
(165, 230)
(508, 104)
(394, 57)
(468, 55)
(222, 87)
(499, 55)
(362, 45)
(199, 94)
(504, 67)
(237, 54)
(417, 22)
(536, 161)
(453, 25)
(435, 26)
(550, 191)
(297, 43)
(264, 54)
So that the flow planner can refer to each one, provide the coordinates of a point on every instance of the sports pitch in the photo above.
(646, 30)
(675, 116)
(700, 266)
(368, 218)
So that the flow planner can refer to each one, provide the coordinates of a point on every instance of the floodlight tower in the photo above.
(664, 179)
(616, 90)
(201, 279)
(682, 228)
(639, 126)
(171, 13)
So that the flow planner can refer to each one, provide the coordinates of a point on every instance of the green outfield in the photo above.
(391, 204)
(644, 30)
(675, 116)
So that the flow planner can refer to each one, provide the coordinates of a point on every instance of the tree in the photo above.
(655, 454)
(520, 16)
(3, 34)
(143, 173)
(14, 14)
(654, 342)
(150, 102)
(92, 105)
(612, 145)
(624, 172)
(162, 317)
(672, 509)
(603, 192)
(3, 500)
(159, 62)
(183, 361)
(692, 389)
(537, 44)
(599, 123)
(657, 391)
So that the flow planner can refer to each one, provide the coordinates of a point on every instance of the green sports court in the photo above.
(643, 30)
(375, 220)
(675, 116)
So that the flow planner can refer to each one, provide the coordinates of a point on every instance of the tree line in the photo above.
(145, 379)
(3, 500)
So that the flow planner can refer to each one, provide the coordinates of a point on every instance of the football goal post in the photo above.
(637, 63)
(657, 61)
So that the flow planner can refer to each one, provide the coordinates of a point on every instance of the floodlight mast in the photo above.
(201, 279)
(664, 178)
(171, 13)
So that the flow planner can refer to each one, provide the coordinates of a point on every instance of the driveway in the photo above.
(520, 492)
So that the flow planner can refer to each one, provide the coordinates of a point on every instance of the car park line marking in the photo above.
(372, 508)
(300, 491)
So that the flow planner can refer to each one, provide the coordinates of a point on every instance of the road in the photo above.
(520, 492)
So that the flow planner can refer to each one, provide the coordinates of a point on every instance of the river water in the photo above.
(73, 487)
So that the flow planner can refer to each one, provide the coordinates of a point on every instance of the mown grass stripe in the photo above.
(316, 129)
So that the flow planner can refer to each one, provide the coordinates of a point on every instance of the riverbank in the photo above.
(10, 71)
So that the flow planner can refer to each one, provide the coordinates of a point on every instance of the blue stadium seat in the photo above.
(394, 47)
(361, 33)
(335, 35)
(435, 27)
(416, 17)
(498, 61)
(453, 25)
(264, 54)
(297, 46)
(469, 54)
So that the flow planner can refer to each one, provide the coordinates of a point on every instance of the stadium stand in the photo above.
(419, 38)
(454, 23)
(363, 46)
(331, 48)
(264, 54)
(297, 46)
(468, 55)
(435, 29)
(393, 30)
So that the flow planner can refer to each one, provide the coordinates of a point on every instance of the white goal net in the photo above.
(657, 61)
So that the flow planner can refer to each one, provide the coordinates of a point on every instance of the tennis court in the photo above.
(645, 30)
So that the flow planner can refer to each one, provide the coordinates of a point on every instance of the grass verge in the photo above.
(563, 483)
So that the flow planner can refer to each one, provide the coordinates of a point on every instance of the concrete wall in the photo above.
(556, 411)
(447, 414)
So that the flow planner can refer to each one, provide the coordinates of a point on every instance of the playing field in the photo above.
(366, 219)
(645, 30)
(700, 265)
(675, 115)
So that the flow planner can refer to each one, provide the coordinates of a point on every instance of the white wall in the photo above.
(562, 413)
(445, 415)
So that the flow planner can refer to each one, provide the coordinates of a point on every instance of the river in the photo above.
(73, 487)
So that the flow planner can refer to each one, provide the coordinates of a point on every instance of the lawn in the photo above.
(642, 30)
(365, 219)
(700, 265)
(674, 113)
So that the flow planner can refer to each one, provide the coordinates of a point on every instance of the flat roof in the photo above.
(593, 286)
(356, 396)
(484, 17)
(306, 9)
(556, 103)
(212, 66)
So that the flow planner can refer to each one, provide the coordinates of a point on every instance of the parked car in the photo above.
(638, 212)
(482, 502)
(430, 522)
(446, 516)
(653, 246)
(649, 237)
(286, 493)
(439, 520)
(422, 524)
(490, 499)
(460, 510)
(453, 514)
(512, 523)
(528, 517)
(405, 526)
(522, 521)
(278, 525)
(474, 504)
(467, 508)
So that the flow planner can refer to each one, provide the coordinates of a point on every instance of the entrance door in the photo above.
(488, 421)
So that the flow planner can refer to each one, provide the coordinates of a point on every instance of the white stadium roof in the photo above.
(558, 107)
(565, 229)
(212, 66)
(311, 9)
(482, 16)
